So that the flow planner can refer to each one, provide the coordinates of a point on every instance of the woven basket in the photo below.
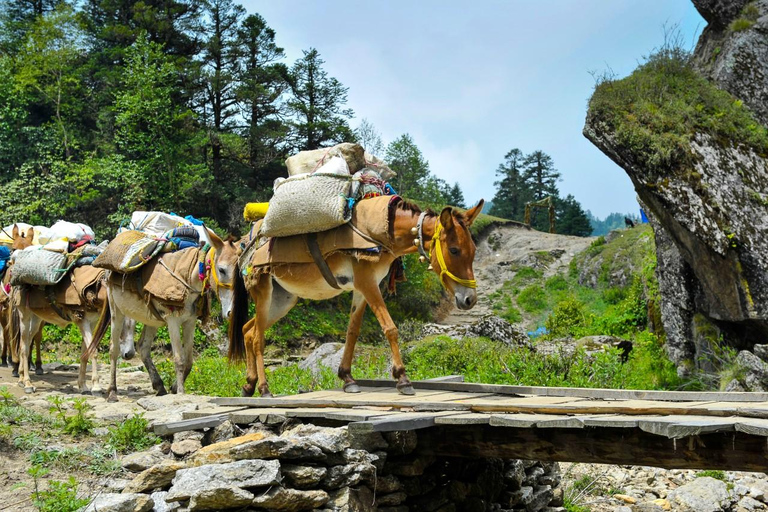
(39, 267)
(307, 203)
(129, 251)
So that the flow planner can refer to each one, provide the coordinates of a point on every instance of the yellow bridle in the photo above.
(214, 275)
(469, 283)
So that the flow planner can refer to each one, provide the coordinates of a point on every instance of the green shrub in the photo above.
(525, 275)
(570, 318)
(532, 299)
(614, 295)
(75, 425)
(131, 435)
(713, 473)
(556, 283)
(596, 246)
(59, 497)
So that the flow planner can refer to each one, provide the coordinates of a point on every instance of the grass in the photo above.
(713, 473)
(59, 497)
(654, 113)
(746, 19)
(132, 435)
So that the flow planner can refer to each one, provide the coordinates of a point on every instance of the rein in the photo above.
(207, 269)
(468, 283)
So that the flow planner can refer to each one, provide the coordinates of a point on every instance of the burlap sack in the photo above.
(165, 286)
(311, 161)
(129, 251)
(38, 267)
(308, 203)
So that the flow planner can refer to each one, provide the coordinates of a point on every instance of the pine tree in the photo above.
(454, 196)
(369, 138)
(262, 81)
(540, 175)
(512, 191)
(412, 169)
(571, 217)
(317, 104)
(219, 61)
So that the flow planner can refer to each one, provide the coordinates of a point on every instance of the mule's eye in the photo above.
(454, 250)
(222, 271)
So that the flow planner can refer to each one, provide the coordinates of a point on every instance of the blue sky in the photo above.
(471, 80)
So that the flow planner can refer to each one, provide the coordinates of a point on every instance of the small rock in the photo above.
(278, 448)
(222, 432)
(282, 498)
(220, 452)
(330, 440)
(625, 498)
(392, 499)
(219, 498)
(388, 483)
(121, 503)
(348, 475)
(664, 504)
(160, 503)
(140, 461)
(747, 504)
(350, 500)
(186, 447)
(116, 484)
(303, 477)
(158, 476)
(760, 351)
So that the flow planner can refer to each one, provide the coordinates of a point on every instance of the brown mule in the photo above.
(444, 239)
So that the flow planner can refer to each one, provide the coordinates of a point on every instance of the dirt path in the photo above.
(506, 248)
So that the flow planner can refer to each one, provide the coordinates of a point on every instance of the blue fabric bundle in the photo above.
(5, 255)
(196, 222)
(184, 237)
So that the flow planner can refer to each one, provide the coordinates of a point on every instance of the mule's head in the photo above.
(127, 347)
(223, 270)
(453, 252)
(21, 239)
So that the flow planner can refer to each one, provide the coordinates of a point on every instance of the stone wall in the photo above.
(293, 466)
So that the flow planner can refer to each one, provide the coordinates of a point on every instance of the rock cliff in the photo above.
(690, 133)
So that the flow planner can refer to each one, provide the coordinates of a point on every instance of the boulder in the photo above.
(158, 476)
(330, 440)
(282, 498)
(278, 448)
(704, 494)
(121, 503)
(185, 447)
(489, 326)
(190, 483)
(218, 498)
(349, 475)
(161, 505)
(221, 452)
(327, 355)
(348, 499)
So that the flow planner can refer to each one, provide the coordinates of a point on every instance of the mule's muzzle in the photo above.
(129, 355)
(466, 298)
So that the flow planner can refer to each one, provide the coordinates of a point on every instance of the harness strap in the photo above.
(314, 250)
(469, 283)
(214, 275)
(54, 305)
(420, 230)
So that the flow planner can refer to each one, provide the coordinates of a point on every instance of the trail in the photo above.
(501, 251)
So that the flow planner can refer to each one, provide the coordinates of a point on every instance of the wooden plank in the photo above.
(164, 429)
(616, 394)
(210, 411)
(335, 403)
(401, 421)
(753, 426)
(613, 421)
(469, 418)
(535, 420)
(337, 414)
(265, 415)
(447, 378)
(679, 427)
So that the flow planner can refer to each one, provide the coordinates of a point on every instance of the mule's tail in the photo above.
(13, 328)
(105, 317)
(238, 319)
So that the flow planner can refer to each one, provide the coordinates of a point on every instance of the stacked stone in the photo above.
(295, 467)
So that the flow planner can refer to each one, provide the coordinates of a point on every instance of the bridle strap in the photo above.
(214, 275)
(468, 283)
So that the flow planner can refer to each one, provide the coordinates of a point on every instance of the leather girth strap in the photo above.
(54, 305)
(325, 270)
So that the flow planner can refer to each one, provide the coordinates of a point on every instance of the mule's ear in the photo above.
(31, 233)
(446, 217)
(472, 213)
(15, 232)
(217, 242)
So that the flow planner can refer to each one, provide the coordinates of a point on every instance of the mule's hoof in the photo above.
(247, 391)
(39, 371)
(267, 395)
(112, 397)
(86, 391)
(29, 389)
(15, 373)
(4, 364)
(162, 391)
(406, 389)
(351, 387)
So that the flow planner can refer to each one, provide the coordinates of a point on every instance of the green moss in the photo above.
(654, 113)
(532, 299)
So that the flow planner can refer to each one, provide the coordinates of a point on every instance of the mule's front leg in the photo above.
(353, 332)
(145, 352)
(30, 324)
(85, 330)
(38, 360)
(114, 351)
(367, 285)
(174, 332)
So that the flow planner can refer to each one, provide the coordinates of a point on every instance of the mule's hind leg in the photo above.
(145, 351)
(188, 345)
(30, 325)
(38, 360)
(353, 331)
(117, 322)
(86, 331)
(174, 332)
(366, 283)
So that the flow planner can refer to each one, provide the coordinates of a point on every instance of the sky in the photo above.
(471, 80)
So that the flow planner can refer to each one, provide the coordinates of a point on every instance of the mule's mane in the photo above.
(410, 207)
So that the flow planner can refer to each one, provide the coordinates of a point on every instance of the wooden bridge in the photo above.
(682, 430)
